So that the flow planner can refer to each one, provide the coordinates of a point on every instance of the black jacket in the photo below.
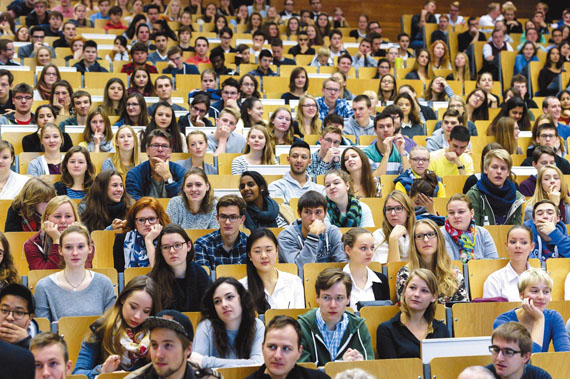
(16, 362)
(31, 143)
(298, 372)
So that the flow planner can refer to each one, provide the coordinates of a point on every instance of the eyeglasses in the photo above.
(156, 146)
(422, 236)
(397, 209)
(547, 136)
(248, 84)
(232, 218)
(18, 315)
(177, 247)
(20, 98)
(420, 160)
(134, 105)
(229, 93)
(332, 142)
(332, 90)
(337, 299)
(309, 105)
(38, 37)
(143, 220)
(196, 109)
(493, 349)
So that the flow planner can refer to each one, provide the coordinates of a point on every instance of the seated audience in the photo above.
(89, 62)
(97, 135)
(477, 107)
(344, 209)
(362, 122)
(258, 151)
(126, 155)
(11, 183)
(328, 156)
(22, 97)
(453, 160)
(331, 102)
(298, 84)
(199, 105)
(17, 308)
(48, 77)
(306, 121)
(419, 162)
(114, 97)
(140, 83)
(51, 356)
(541, 157)
(51, 142)
(164, 118)
(77, 173)
(549, 76)
(25, 212)
(440, 137)
(225, 139)
(551, 238)
(197, 147)
(422, 68)
(388, 152)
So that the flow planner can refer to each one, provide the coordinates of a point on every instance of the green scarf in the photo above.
(348, 220)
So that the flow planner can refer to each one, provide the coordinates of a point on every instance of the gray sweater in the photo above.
(54, 302)
(484, 245)
(179, 215)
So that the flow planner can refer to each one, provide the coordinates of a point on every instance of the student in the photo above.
(228, 244)
(139, 56)
(344, 209)
(551, 106)
(194, 208)
(199, 106)
(282, 349)
(251, 108)
(74, 291)
(428, 251)
(463, 239)
(164, 88)
(495, 198)
(176, 63)
(504, 282)
(163, 118)
(135, 111)
(545, 325)
(81, 105)
(309, 239)
(440, 137)
(135, 246)
(400, 336)
(25, 213)
(452, 160)
(114, 97)
(119, 340)
(126, 155)
(230, 97)
(328, 156)
(551, 238)
(263, 69)
(307, 119)
(181, 279)
(161, 43)
(22, 97)
(197, 147)
(97, 135)
(229, 334)
(411, 124)
(258, 151)
(51, 356)
(50, 139)
(330, 101)
(140, 83)
(297, 181)
(104, 6)
(549, 76)
(361, 123)
(269, 287)
(77, 173)
(17, 308)
(547, 138)
(330, 333)
(201, 48)
(553, 187)
(115, 15)
(422, 68)
(89, 62)
(419, 162)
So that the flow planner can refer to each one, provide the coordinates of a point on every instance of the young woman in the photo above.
(243, 54)
(400, 337)
(281, 131)
(226, 8)
(458, 103)
(356, 164)
(22, 34)
(48, 77)
(485, 82)
(269, 287)
(463, 239)
(135, 246)
(164, 118)
(195, 207)
(387, 90)
(477, 107)
(315, 38)
(438, 90)
(114, 97)
(173, 11)
(42, 249)
(392, 241)
(422, 68)
(209, 84)
(549, 76)
(258, 150)
(367, 285)
(298, 85)
(292, 27)
(197, 147)
(323, 24)
(545, 325)
(242, 16)
(307, 119)
(43, 56)
(262, 211)
(495, 198)
(8, 271)
(564, 97)
(76, 44)
(118, 340)
(428, 251)
(126, 154)
(77, 173)
(344, 210)
(362, 27)
(503, 282)
(514, 108)
(74, 291)
(461, 70)
(506, 132)
(220, 22)
(120, 52)
(60, 99)
(229, 334)
(141, 83)
(254, 23)
(106, 203)
(11, 183)
(440, 55)
(526, 55)
(565, 48)
(45, 114)
(182, 281)
(550, 185)
(251, 112)
(135, 111)
(97, 135)
(25, 213)
(411, 122)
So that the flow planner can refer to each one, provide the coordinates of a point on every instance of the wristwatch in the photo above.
(462, 167)
(170, 181)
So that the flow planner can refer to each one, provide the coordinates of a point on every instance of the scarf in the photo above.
(349, 219)
(135, 250)
(116, 210)
(500, 199)
(105, 146)
(44, 90)
(464, 239)
(135, 345)
(266, 218)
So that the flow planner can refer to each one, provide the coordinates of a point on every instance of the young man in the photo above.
(316, 7)
(419, 20)
(297, 181)
(230, 98)
(470, 36)
(511, 350)
(104, 6)
(360, 124)
(494, 14)
(344, 64)
(201, 48)
(68, 33)
(176, 64)
(89, 62)
(440, 138)
(184, 36)
(364, 56)
(336, 47)
(139, 55)
(338, 122)
(153, 13)
(264, 67)
(328, 156)
(17, 307)
(454, 17)
(452, 160)
(309, 239)
(419, 162)
(23, 98)
(7, 53)
(199, 106)
(403, 44)
(226, 35)
(161, 43)
(277, 51)
(171, 336)
(258, 39)
(225, 139)
(330, 333)
(550, 235)
(388, 153)
(492, 51)
(227, 244)
(81, 101)
(547, 135)
(51, 356)
(519, 82)
(330, 101)
(38, 35)
(163, 87)
(377, 41)
(65, 8)
(551, 106)
(218, 60)
(442, 32)
(556, 38)
(281, 350)
(541, 156)
(158, 177)
(288, 10)
(302, 46)
(6, 80)
(115, 14)
(40, 14)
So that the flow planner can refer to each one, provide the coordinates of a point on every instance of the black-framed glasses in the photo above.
(422, 236)
(494, 349)
(397, 209)
(17, 314)
(177, 247)
(232, 218)
(143, 220)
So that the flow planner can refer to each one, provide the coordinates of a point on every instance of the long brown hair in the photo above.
(430, 279)
(271, 128)
(268, 156)
(89, 175)
(8, 270)
(367, 178)
(208, 201)
(35, 191)
(403, 199)
(88, 132)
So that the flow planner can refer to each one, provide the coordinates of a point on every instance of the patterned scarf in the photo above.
(44, 90)
(465, 239)
(348, 220)
(135, 345)
(135, 250)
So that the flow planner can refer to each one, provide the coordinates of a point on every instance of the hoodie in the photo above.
(289, 188)
(559, 246)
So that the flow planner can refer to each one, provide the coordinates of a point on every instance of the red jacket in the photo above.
(42, 254)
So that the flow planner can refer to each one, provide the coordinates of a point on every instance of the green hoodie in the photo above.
(356, 337)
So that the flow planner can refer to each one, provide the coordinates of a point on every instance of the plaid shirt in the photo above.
(210, 250)
(129, 68)
(341, 108)
(320, 167)
(332, 338)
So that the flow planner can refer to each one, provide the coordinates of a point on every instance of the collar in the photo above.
(323, 326)
(371, 277)
(511, 273)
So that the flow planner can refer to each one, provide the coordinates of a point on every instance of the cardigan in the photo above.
(484, 245)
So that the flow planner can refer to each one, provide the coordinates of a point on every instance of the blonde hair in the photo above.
(532, 276)
(35, 191)
(55, 203)
(315, 122)
(116, 158)
(271, 128)
(403, 199)
(504, 132)
(268, 157)
(466, 69)
(503, 155)
(541, 194)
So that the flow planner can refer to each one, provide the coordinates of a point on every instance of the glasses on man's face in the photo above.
(494, 349)
(157, 146)
(338, 299)
(38, 37)
(422, 236)
(143, 220)
(332, 90)
(547, 136)
(20, 98)
(229, 93)
(17, 314)
(177, 247)
(225, 218)
(332, 142)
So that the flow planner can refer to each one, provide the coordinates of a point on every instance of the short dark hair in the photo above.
(280, 322)
(4, 72)
(540, 150)
(89, 43)
(163, 77)
(23, 88)
(301, 144)
(173, 50)
(451, 112)
(152, 6)
(331, 276)
(203, 39)
(158, 133)
(519, 78)
(394, 109)
(333, 118)
(460, 133)
(276, 42)
(264, 53)
(367, 39)
(160, 34)
(539, 129)
(382, 116)
(258, 32)
(80, 93)
(55, 14)
(16, 289)
(115, 9)
(201, 98)
(311, 199)
(545, 201)
(345, 56)
(231, 200)
(403, 35)
(225, 29)
(4, 43)
(217, 53)
(362, 98)
(139, 46)
(37, 28)
(230, 82)
(335, 31)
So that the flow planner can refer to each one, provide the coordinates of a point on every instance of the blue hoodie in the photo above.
(558, 247)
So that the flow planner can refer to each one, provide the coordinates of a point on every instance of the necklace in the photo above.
(71, 285)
